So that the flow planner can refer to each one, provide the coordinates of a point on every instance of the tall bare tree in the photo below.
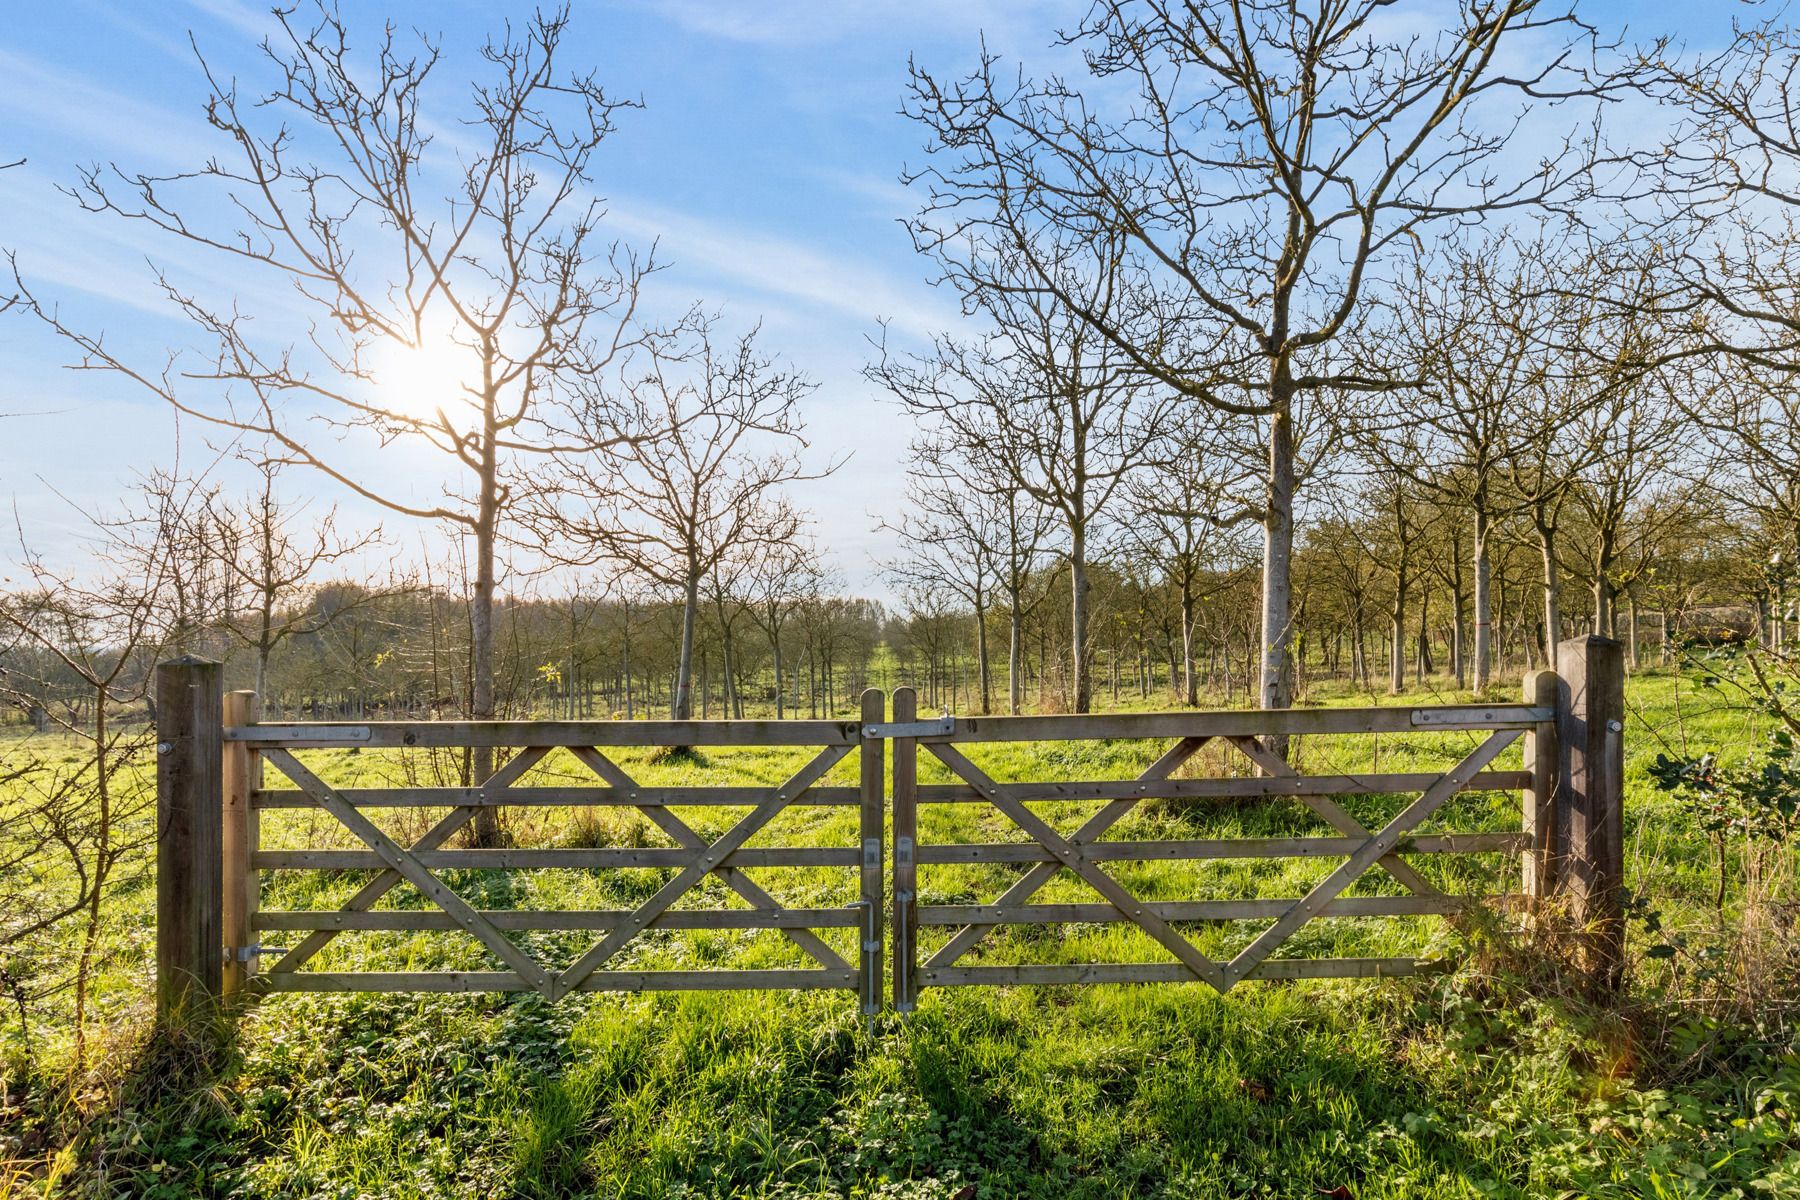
(274, 553)
(473, 265)
(1261, 161)
(722, 435)
(1044, 406)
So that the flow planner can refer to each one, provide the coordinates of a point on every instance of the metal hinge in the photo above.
(937, 727)
(246, 953)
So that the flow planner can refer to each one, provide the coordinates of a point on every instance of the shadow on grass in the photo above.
(1154, 1092)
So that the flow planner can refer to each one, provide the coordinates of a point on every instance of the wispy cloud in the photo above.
(770, 264)
(806, 22)
(44, 99)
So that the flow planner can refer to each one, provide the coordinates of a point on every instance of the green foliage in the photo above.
(1484, 1082)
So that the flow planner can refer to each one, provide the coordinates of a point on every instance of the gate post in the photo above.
(906, 832)
(1543, 762)
(1587, 852)
(189, 829)
(874, 776)
(241, 882)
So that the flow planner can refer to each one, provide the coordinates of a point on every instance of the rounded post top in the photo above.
(188, 660)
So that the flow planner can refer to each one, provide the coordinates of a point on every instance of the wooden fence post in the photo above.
(906, 832)
(189, 821)
(241, 882)
(1587, 846)
(874, 890)
(1544, 763)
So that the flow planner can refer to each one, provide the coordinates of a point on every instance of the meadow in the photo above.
(1493, 1078)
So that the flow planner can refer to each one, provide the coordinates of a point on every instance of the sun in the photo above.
(422, 380)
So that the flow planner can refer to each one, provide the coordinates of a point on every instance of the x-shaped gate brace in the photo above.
(403, 864)
(1072, 852)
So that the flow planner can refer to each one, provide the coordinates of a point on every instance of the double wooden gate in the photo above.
(212, 795)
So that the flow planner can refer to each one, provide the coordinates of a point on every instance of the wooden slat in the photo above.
(871, 817)
(685, 836)
(1201, 789)
(1238, 723)
(1506, 842)
(1074, 858)
(371, 892)
(1275, 968)
(511, 981)
(603, 858)
(296, 735)
(1199, 910)
(702, 862)
(1376, 847)
(398, 859)
(905, 819)
(403, 920)
(648, 797)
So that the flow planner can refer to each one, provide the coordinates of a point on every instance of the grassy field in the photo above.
(1486, 1081)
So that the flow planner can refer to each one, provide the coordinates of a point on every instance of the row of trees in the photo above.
(1240, 288)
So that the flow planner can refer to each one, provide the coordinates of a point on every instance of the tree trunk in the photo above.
(1424, 663)
(1552, 592)
(1081, 686)
(682, 705)
(1458, 665)
(481, 626)
(775, 654)
(1015, 650)
(1190, 688)
(981, 660)
(1278, 554)
(1484, 603)
(1631, 619)
(1397, 646)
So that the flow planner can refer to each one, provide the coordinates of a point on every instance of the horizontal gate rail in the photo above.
(1247, 722)
(549, 734)
(557, 796)
(1315, 847)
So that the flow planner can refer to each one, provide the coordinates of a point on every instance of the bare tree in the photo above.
(1267, 160)
(486, 304)
(948, 533)
(781, 581)
(1045, 406)
(722, 437)
(1181, 518)
(274, 562)
(101, 638)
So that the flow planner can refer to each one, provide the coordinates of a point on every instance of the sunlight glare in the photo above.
(420, 381)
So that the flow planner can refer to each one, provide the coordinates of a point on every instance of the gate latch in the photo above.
(937, 727)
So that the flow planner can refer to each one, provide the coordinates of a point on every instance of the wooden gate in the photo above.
(252, 747)
(1085, 853)
(1567, 832)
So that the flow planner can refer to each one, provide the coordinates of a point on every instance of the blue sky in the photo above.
(765, 162)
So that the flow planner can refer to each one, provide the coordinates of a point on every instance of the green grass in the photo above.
(1479, 1083)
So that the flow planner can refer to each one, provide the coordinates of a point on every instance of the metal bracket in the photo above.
(871, 853)
(246, 953)
(938, 727)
